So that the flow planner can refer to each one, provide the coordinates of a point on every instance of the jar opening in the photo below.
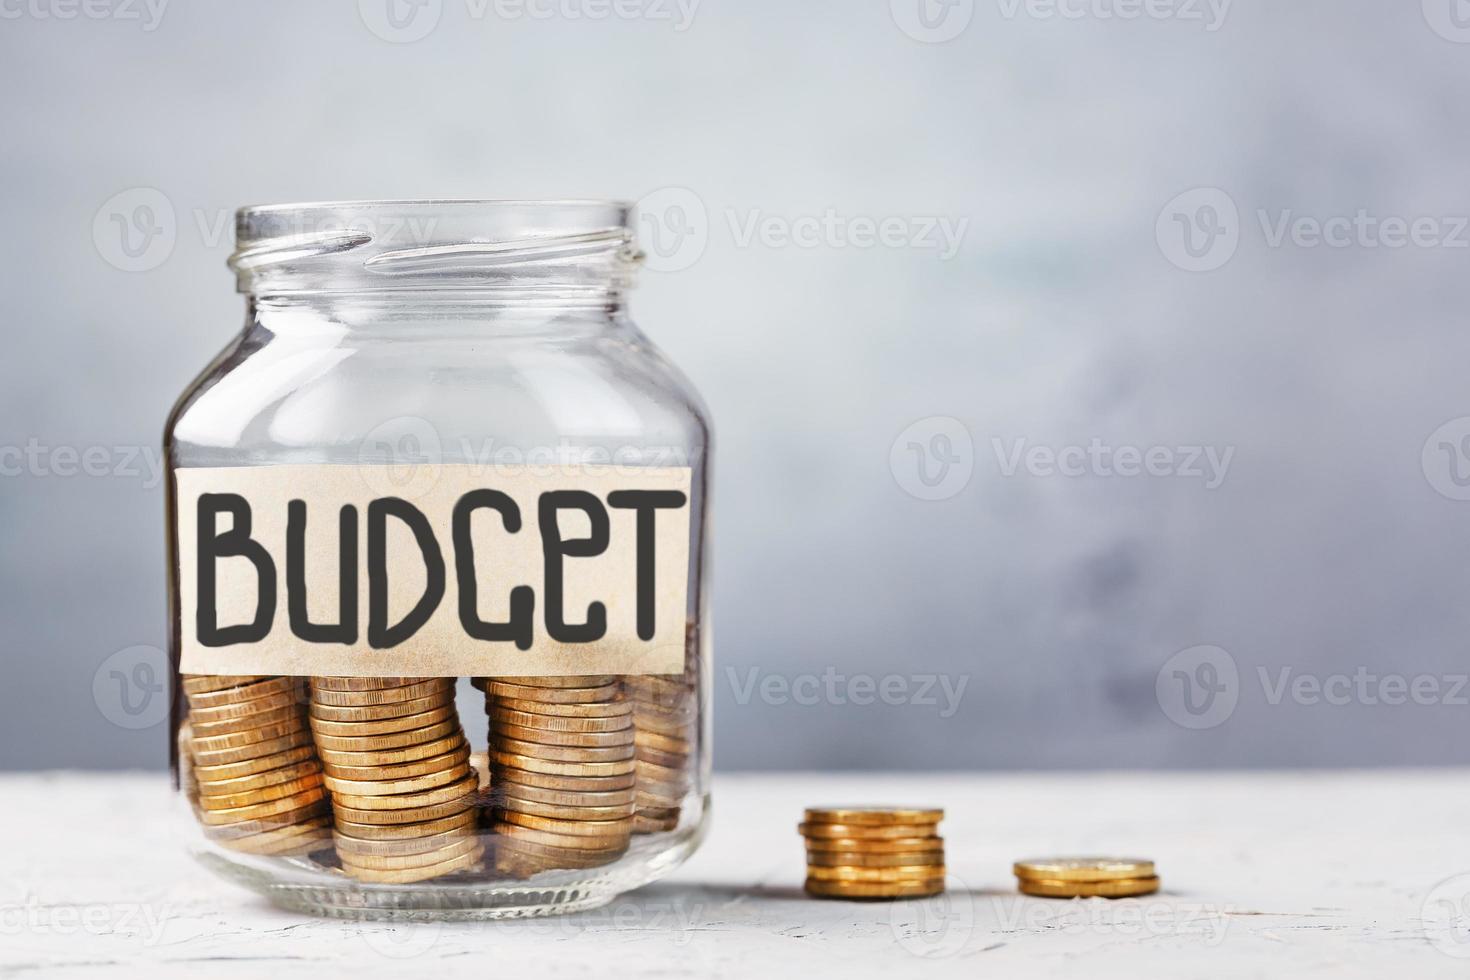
(567, 249)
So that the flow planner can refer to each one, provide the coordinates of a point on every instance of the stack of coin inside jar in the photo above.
(252, 775)
(397, 763)
(562, 760)
(873, 852)
(665, 718)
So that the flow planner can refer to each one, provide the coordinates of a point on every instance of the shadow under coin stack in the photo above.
(397, 763)
(562, 758)
(251, 763)
(665, 718)
(873, 852)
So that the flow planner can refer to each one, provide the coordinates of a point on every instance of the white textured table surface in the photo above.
(1279, 875)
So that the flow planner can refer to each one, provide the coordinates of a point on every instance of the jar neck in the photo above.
(429, 315)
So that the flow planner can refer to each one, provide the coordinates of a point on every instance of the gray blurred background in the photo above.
(895, 587)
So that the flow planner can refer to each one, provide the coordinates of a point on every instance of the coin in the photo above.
(277, 827)
(528, 763)
(896, 845)
(257, 811)
(861, 859)
(357, 851)
(555, 812)
(383, 726)
(549, 855)
(647, 822)
(672, 703)
(552, 797)
(366, 683)
(659, 801)
(562, 753)
(409, 875)
(897, 873)
(873, 815)
(380, 712)
(260, 780)
(424, 828)
(1084, 868)
(666, 743)
(664, 760)
(251, 750)
(658, 812)
(596, 709)
(292, 838)
(531, 719)
(246, 692)
(871, 889)
(559, 680)
(250, 736)
(661, 794)
(407, 815)
(276, 716)
(516, 863)
(814, 831)
(655, 685)
(434, 687)
(241, 709)
(552, 695)
(401, 770)
(541, 736)
(464, 789)
(662, 726)
(274, 821)
(662, 786)
(391, 756)
(360, 744)
(654, 773)
(204, 683)
(302, 842)
(265, 794)
(661, 771)
(251, 766)
(605, 829)
(390, 858)
(353, 788)
(1119, 888)
(532, 835)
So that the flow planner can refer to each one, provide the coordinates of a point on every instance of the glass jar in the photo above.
(437, 546)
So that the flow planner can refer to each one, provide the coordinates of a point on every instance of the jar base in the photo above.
(317, 893)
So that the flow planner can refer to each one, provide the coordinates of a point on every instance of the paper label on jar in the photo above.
(454, 570)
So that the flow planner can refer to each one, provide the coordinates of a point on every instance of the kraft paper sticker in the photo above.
(452, 570)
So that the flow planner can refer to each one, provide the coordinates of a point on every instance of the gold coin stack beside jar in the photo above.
(873, 852)
(561, 753)
(256, 778)
(1086, 877)
(397, 764)
(665, 716)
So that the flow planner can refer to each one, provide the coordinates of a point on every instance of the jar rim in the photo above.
(586, 245)
(437, 202)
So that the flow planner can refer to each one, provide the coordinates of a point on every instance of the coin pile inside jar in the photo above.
(1086, 877)
(562, 762)
(873, 852)
(665, 723)
(253, 776)
(397, 764)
